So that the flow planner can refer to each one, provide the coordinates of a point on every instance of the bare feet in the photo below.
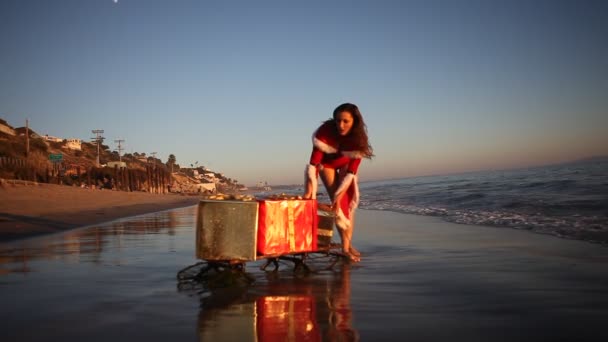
(354, 252)
(353, 258)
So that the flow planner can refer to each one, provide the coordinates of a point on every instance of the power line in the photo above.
(98, 139)
(120, 148)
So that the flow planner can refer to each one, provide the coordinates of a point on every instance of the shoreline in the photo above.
(595, 238)
(472, 281)
(34, 209)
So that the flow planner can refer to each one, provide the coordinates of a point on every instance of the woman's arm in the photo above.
(316, 156)
(353, 165)
(311, 173)
(347, 180)
(310, 182)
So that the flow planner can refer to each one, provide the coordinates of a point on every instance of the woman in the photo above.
(338, 146)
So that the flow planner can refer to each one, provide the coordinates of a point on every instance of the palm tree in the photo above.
(171, 161)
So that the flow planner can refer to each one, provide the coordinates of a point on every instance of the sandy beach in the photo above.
(420, 279)
(32, 209)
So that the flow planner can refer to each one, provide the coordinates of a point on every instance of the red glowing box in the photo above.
(286, 318)
(287, 226)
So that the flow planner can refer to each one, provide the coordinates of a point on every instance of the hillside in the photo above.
(78, 162)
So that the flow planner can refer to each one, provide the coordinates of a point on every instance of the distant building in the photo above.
(52, 138)
(7, 129)
(209, 176)
(114, 164)
(74, 144)
(20, 131)
(206, 187)
(263, 186)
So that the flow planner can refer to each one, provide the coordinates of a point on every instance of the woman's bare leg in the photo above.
(352, 250)
(329, 178)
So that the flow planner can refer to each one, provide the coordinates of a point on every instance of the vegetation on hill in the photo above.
(16, 162)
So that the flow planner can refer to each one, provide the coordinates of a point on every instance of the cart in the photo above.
(232, 233)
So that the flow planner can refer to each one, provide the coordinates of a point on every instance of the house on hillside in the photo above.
(206, 187)
(5, 128)
(120, 165)
(74, 144)
(51, 138)
(20, 131)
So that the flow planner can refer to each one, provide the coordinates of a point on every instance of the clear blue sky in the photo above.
(239, 86)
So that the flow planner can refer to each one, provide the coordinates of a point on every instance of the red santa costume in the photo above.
(331, 150)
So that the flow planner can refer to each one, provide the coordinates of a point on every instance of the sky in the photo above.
(240, 86)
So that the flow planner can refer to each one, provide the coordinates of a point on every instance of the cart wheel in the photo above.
(274, 261)
(300, 267)
(193, 271)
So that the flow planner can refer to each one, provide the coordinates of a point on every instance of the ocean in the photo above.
(566, 200)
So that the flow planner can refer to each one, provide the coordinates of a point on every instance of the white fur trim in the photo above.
(353, 154)
(323, 146)
(342, 222)
(354, 203)
(346, 182)
(310, 175)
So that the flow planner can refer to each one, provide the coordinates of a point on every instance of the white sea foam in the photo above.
(567, 200)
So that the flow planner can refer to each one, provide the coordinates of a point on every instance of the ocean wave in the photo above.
(574, 227)
(466, 198)
(569, 200)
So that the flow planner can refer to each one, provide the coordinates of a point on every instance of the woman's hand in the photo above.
(334, 208)
(335, 205)
(308, 192)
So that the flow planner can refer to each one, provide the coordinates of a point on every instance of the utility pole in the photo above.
(119, 141)
(98, 139)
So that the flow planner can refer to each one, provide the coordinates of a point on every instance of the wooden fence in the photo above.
(153, 179)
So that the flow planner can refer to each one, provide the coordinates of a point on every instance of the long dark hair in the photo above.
(357, 137)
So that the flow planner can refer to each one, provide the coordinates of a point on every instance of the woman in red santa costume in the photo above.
(338, 146)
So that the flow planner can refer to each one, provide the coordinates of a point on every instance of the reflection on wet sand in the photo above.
(282, 307)
(340, 313)
(86, 244)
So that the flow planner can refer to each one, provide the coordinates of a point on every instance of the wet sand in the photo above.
(437, 281)
(34, 209)
(420, 279)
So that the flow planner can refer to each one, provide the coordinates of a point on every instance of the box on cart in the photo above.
(325, 228)
(287, 226)
(227, 230)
